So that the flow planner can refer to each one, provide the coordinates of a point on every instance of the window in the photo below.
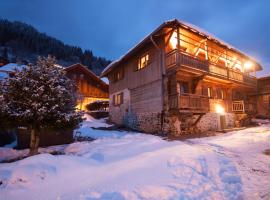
(184, 87)
(210, 92)
(143, 61)
(118, 75)
(237, 95)
(266, 99)
(118, 99)
(220, 93)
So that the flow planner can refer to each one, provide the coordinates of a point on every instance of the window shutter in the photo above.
(114, 100)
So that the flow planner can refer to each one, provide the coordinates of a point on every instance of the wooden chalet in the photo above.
(181, 79)
(90, 87)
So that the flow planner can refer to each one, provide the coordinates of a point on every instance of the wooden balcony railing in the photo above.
(243, 106)
(238, 106)
(177, 58)
(189, 102)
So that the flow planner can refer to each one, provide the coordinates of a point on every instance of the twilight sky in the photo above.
(111, 27)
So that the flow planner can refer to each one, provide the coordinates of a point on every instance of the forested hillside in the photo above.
(20, 42)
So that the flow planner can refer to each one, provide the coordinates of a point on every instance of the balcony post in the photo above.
(178, 46)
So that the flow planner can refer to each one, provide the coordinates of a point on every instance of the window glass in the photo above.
(118, 99)
(184, 87)
(143, 61)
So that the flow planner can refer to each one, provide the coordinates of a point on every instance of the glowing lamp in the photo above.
(219, 109)
(248, 65)
(173, 40)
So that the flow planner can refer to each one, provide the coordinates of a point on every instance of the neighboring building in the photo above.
(263, 96)
(90, 87)
(181, 79)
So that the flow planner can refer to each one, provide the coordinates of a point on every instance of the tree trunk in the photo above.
(34, 142)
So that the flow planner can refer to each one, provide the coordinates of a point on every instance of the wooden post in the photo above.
(178, 45)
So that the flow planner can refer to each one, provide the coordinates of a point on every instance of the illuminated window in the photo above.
(209, 92)
(173, 40)
(143, 61)
(118, 99)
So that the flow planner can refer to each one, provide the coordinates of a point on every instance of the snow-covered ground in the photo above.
(126, 165)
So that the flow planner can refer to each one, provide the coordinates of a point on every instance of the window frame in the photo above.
(210, 92)
(220, 93)
(139, 61)
(118, 75)
(118, 99)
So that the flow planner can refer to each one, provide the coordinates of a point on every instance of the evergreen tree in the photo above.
(40, 97)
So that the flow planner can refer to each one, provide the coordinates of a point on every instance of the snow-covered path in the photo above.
(123, 165)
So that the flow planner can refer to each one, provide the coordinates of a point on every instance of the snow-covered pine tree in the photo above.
(40, 97)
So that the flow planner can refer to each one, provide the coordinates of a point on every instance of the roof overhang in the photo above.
(177, 23)
(87, 71)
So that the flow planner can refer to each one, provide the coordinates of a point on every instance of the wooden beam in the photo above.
(198, 46)
(170, 35)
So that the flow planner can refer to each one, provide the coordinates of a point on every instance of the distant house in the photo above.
(90, 87)
(8, 69)
(181, 79)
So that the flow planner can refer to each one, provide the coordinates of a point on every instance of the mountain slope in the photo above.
(20, 42)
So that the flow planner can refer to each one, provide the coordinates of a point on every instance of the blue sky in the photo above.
(111, 27)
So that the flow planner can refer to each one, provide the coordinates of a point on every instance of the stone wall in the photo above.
(149, 122)
(211, 121)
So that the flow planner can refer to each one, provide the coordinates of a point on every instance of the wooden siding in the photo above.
(135, 78)
(147, 98)
(87, 86)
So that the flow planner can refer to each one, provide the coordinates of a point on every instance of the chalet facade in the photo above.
(90, 87)
(180, 79)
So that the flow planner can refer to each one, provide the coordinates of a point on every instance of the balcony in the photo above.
(243, 107)
(176, 59)
(189, 103)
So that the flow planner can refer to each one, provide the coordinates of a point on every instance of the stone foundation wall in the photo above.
(146, 122)
(211, 121)
(172, 124)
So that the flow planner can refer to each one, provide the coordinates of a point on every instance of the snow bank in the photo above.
(139, 166)
(87, 129)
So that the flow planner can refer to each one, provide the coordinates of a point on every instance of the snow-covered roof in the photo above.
(104, 79)
(92, 74)
(11, 67)
(186, 25)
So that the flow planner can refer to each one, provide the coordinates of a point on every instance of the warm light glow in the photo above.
(219, 109)
(173, 40)
(83, 101)
(248, 65)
